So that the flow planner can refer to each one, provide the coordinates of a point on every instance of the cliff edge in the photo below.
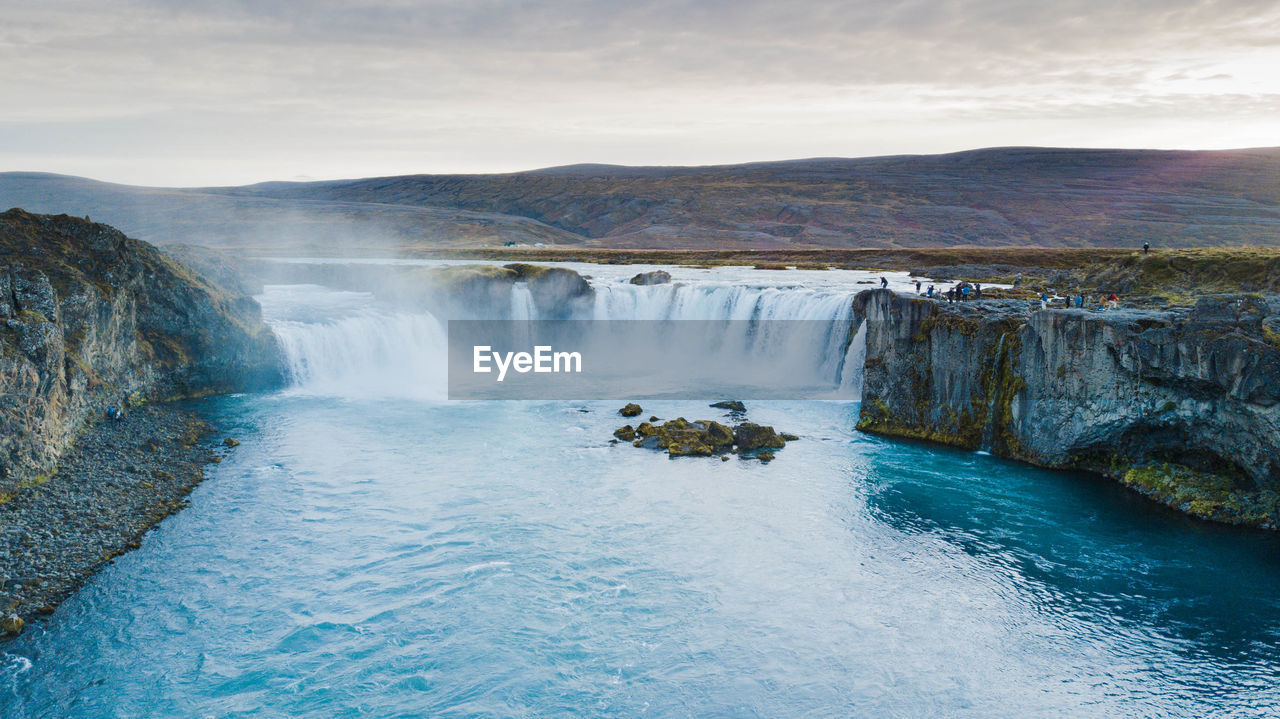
(1180, 404)
(90, 318)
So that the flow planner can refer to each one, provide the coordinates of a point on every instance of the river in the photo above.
(372, 549)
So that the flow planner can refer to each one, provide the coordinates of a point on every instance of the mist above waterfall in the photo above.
(762, 340)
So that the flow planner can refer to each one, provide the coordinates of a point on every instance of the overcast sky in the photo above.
(165, 93)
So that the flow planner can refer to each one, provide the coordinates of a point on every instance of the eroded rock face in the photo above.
(90, 318)
(1112, 392)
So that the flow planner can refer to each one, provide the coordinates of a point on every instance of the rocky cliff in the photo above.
(90, 318)
(1180, 404)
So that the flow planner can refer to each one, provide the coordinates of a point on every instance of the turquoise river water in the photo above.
(373, 552)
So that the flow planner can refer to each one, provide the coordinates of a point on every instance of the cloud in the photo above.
(500, 84)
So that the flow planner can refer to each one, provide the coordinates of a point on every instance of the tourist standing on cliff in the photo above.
(977, 290)
(1113, 302)
(1146, 248)
(884, 284)
(917, 287)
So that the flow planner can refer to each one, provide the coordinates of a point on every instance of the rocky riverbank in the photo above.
(117, 481)
(91, 319)
(1180, 404)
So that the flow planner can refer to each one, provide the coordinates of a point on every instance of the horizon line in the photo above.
(618, 166)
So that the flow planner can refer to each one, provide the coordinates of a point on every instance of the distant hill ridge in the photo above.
(1015, 196)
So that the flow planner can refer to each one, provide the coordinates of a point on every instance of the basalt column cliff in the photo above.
(1181, 404)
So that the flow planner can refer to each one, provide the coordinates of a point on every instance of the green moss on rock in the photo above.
(1218, 497)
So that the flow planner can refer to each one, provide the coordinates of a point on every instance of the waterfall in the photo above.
(993, 388)
(522, 307)
(346, 344)
(342, 344)
(855, 361)
(819, 348)
(366, 356)
(719, 302)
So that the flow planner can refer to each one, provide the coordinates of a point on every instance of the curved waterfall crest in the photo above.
(346, 343)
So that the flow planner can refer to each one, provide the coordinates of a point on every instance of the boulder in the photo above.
(657, 277)
(718, 435)
(631, 410)
(732, 405)
(750, 436)
(688, 443)
(11, 625)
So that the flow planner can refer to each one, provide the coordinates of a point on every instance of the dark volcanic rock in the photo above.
(703, 438)
(555, 290)
(1185, 394)
(732, 405)
(749, 436)
(656, 277)
(631, 410)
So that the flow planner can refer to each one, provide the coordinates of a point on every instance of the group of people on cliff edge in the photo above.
(1081, 301)
(961, 292)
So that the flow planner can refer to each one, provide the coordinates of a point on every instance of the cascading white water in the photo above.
(346, 344)
(813, 346)
(718, 302)
(371, 355)
(522, 307)
(343, 344)
(855, 360)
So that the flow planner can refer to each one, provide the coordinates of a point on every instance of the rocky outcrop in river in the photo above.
(460, 291)
(1180, 404)
(90, 318)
